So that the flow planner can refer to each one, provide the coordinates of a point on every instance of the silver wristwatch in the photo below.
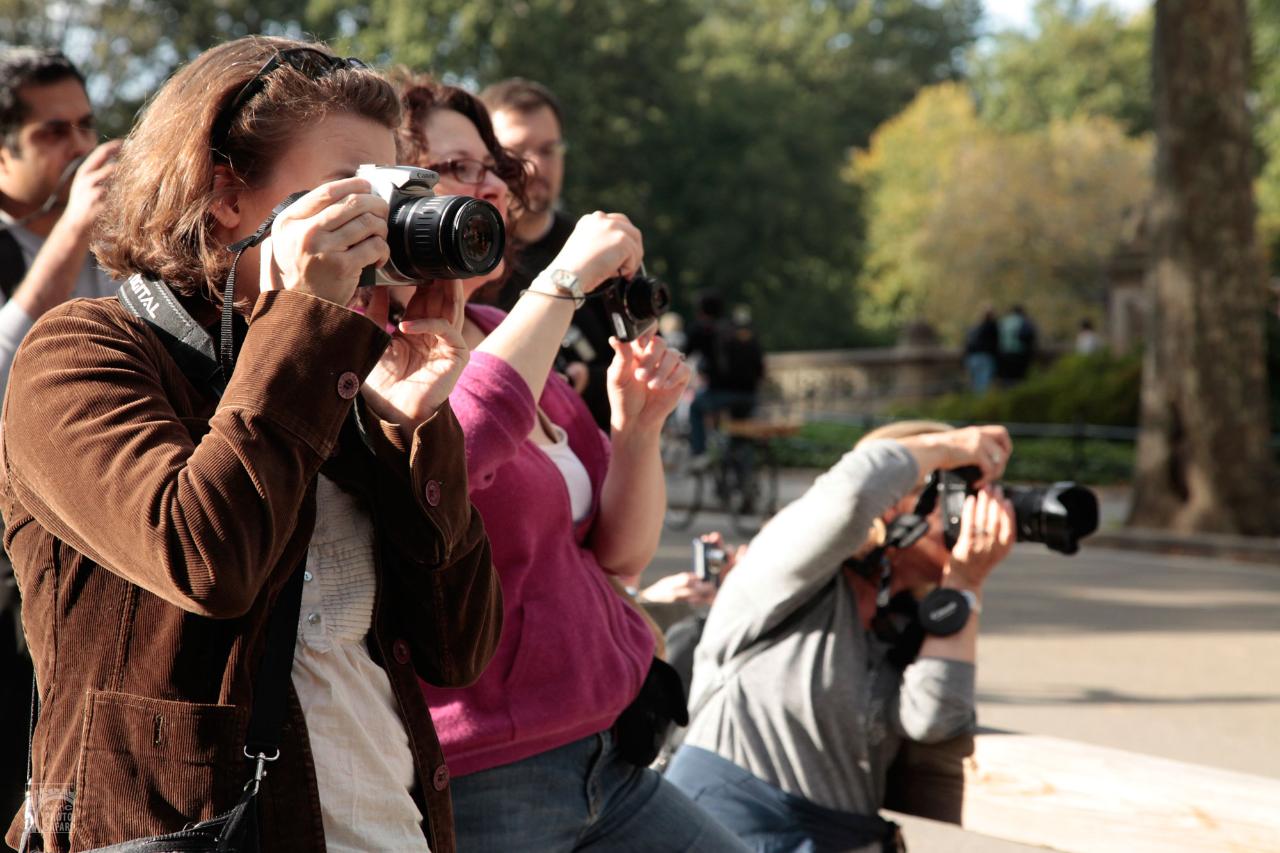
(562, 282)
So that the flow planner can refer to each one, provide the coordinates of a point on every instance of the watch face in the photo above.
(943, 612)
(563, 279)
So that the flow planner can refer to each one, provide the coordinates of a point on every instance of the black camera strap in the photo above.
(186, 340)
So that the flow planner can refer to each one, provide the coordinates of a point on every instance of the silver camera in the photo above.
(432, 236)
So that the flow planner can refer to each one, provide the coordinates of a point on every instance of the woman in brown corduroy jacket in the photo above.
(152, 524)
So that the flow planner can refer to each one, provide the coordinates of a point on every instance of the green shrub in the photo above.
(1096, 389)
(1035, 460)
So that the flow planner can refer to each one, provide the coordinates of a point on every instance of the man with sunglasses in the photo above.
(528, 120)
(47, 203)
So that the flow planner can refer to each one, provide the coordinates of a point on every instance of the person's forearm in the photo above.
(54, 270)
(632, 503)
(529, 337)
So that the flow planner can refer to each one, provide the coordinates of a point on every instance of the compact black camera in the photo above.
(635, 304)
(1059, 515)
(707, 562)
(432, 236)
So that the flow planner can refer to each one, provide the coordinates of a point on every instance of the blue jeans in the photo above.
(707, 402)
(769, 819)
(582, 796)
(982, 369)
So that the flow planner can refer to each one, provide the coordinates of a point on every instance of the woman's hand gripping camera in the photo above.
(320, 244)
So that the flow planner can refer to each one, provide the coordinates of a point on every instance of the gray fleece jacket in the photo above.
(818, 711)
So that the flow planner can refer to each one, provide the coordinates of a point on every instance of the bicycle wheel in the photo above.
(754, 497)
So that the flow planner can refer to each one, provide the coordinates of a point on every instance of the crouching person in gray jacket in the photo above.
(814, 667)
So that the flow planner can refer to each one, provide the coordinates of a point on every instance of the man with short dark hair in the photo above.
(47, 205)
(528, 120)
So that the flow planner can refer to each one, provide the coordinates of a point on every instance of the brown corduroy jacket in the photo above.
(151, 528)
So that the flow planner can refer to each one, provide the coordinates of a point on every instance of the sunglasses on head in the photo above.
(314, 63)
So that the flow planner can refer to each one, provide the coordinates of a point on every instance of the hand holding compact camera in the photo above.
(645, 381)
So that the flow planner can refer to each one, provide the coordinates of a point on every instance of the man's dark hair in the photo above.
(522, 96)
(27, 66)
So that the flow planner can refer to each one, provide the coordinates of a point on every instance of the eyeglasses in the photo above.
(465, 170)
(316, 64)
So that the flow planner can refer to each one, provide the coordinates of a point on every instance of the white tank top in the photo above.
(576, 479)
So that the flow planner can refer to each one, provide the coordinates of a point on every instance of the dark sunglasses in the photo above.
(316, 64)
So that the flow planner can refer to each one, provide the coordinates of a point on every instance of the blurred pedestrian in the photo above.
(981, 346)
(1087, 340)
(1017, 351)
(731, 362)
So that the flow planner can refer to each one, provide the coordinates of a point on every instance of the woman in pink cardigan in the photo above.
(531, 744)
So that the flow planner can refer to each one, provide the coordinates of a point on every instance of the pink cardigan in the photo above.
(573, 654)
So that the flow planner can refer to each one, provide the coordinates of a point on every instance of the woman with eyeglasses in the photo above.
(536, 761)
(161, 518)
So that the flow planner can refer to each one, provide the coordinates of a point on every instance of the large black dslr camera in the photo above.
(635, 304)
(1059, 515)
(432, 236)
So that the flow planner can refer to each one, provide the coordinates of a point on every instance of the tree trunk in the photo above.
(1203, 461)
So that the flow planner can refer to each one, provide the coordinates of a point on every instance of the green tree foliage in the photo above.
(959, 214)
(127, 49)
(720, 126)
(1077, 60)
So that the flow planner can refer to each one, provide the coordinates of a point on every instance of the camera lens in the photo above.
(646, 297)
(452, 236)
(1059, 515)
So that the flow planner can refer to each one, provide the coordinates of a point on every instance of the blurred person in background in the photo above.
(160, 519)
(1087, 340)
(981, 347)
(539, 747)
(528, 120)
(52, 176)
(731, 362)
(1017, 350)
(801, 694)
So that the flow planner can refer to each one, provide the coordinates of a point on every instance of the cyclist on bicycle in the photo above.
(731, 364)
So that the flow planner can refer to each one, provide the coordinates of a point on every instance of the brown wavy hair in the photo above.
(161, 196)
(420, 96)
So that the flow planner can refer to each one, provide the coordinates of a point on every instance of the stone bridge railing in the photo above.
(863, 381)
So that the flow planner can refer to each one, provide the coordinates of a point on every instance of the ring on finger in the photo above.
(996, 457)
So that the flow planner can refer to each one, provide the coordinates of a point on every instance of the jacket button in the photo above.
(440, 779)
(433, 493)
(400, 651)
(348, 385)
